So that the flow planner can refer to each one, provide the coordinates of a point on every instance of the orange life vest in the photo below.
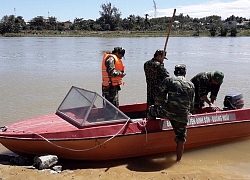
(106, 79)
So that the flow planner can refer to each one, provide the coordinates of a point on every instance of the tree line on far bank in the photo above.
(110, 20)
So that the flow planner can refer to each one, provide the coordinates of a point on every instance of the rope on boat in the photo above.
(3, 128)
(77, 150)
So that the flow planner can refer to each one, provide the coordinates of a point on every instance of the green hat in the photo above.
(217, 76)
(180, 69)
(160, 52)
(120, 50)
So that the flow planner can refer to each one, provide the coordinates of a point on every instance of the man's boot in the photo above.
(179, 150)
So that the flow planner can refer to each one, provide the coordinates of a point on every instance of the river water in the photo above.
(36, 73)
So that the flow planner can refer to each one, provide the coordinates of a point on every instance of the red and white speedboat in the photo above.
(87, 127)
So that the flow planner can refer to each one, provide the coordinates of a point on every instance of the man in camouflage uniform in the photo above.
(155, 73)
(174, 101)
(204, 83)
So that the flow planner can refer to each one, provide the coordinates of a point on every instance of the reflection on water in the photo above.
(36, 74)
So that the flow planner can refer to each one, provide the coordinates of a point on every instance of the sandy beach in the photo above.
(158, 167)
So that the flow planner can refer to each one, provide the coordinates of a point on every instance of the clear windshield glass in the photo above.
(84, 108)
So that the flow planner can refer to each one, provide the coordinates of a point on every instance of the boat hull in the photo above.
(140, 142)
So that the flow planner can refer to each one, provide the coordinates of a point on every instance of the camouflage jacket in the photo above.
(176, 96)
(110, 64)
(203, 85)
(155, 73)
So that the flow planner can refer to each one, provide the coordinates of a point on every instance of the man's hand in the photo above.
(214, 108)
(211, 104)
(122, 74)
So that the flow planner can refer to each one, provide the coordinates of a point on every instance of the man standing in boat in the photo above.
(155, 73)
(174, 101)
(206, 82)
(112, 74)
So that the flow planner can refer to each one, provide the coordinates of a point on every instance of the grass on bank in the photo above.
(50, 33)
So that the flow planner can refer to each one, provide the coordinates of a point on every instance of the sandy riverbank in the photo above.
(158, 167)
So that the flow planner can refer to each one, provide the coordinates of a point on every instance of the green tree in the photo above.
(129, 22)
(196, 23)
(81, 24)
(180, 18)
(37, 23)
(110, 17)
(212, 30)
(160, 24)
(77, 24)
(223, 31)
(147, 23)
(231, 18)
(233, 31)
(212, 23)
(139, 22)
(52, 23)
(12, 24)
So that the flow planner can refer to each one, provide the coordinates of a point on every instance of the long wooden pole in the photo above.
(169, 30)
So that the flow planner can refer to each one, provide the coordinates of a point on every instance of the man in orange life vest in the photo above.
(112, 74)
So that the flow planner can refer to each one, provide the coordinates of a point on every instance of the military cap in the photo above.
(180, 69)
(120, 50)
(160, 52)
(217, 76)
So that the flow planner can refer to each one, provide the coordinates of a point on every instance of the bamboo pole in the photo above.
(169, 30)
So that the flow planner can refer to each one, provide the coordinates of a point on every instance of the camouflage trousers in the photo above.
(151, 94)
(111, 94)
(180, 130)
(177, 120)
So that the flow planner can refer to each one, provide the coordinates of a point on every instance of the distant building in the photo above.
(230, 24)
(243, 24)
(67, 24)
(176, 24)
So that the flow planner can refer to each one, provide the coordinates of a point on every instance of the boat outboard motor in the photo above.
(233, 101)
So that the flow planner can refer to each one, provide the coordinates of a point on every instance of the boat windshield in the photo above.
(82, 108)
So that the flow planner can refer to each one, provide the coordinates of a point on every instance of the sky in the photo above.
(68, 10)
